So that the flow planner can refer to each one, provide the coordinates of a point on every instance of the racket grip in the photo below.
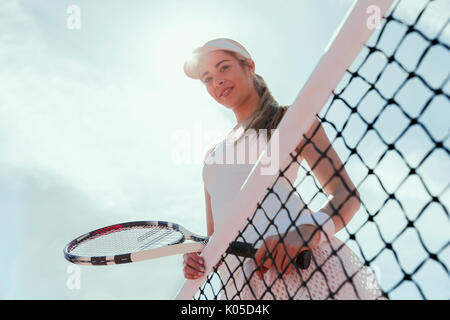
(244, 249)
(303, 259)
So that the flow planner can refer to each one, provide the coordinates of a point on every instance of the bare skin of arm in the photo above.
(193, 263)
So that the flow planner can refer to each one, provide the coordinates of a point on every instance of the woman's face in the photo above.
(225, 79)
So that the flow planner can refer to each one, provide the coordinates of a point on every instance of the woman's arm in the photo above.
(340, 188)
(193, 264)
(209, 217)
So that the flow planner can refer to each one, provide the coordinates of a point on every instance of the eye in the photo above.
(221, 69)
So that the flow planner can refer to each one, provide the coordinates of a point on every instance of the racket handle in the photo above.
(303, 259)
(244, 249)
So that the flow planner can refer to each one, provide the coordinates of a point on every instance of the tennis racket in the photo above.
(144, 240)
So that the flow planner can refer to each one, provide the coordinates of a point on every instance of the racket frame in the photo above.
(177, 247)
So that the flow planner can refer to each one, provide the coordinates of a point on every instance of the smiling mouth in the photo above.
(226, 92)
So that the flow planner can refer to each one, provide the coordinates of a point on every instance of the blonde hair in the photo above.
(270, 113)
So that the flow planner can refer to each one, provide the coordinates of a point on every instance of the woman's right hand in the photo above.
(193, 265)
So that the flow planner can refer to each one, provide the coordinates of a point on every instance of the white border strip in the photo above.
(337, 58)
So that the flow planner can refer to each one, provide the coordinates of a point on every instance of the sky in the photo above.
(90, 119)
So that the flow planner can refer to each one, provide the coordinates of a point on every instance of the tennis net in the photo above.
(384, 108)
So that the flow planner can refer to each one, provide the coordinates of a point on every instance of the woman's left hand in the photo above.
(283, 249)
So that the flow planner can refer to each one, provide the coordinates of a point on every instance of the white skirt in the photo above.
(341, 276)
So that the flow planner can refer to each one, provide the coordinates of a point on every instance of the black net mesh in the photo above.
(388, 122)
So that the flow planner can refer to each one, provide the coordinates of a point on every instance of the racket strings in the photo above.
(147, 234)
(165, 238)
(127, 240)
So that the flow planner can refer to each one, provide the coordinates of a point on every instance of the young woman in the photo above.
(227, 71)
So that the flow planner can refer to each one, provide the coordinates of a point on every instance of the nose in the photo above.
(218, 82)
